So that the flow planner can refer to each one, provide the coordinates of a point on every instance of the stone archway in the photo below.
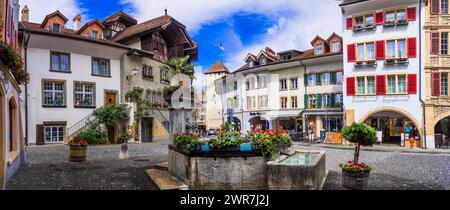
(2, 136)
(382, 119)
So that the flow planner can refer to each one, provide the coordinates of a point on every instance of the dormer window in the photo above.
(335, 47)
(319, 49)
(263, 61)
(286, 57)
(56, 27)
(94, 34)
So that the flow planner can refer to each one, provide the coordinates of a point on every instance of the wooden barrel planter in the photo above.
(77, 153)
(355, 181)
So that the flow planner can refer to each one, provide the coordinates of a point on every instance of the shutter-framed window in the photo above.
(381, 84)
(351, 52)
(412, 47)
(380, 50)
(412, 84)
(435, 84)
(435, 42)
(350, 85)
(305, 79)
(411, 13)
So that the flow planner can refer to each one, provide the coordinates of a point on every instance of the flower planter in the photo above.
(355, 181)
(225, 149)
(77, 153)
(204, 148)
(245, 147)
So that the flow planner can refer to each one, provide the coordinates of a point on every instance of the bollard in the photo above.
(124, 152)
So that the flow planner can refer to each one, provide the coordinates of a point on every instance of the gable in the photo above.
(87, 29)
(54, 18)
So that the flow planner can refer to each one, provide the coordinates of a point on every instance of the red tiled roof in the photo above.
(145, 26)
(218, 67)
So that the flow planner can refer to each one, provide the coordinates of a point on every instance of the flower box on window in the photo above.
(390, 61)
(396, 61)
(401, 22)
(369, 27)
(368, 63)
(358, 28)
(401, 61)
(389, 23)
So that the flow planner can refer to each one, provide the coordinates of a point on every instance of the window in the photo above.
(247, 85)
(401, 48)
(294, 102)
(325, 101)
(366, 85)
(444, 43)
(326, 78)
(319, 49)
(369, 21)
(396, 48)
(401, 15)
(100, 67)
(335, 47)
(94, 34)
(359, 22)
(54, 94)
(249, 102)
(444, 6)
(263, 61)
(312, 99)
(339, 77)
(54, 134)
(263, 101)
(56, 27)
(147, 72)
(84, 94)
(394, 16)
(396, 84)
(311, 79)
(444, 84)
(390, 16)
(339, 101)
(253, 102)
(286, 57)
(366, 51)
(294, 83)
(251, 64)
(262, 83)
(284, 101)
(283, 84)
(60, 61)
(390, 48)
(235, 85)
(164, 74)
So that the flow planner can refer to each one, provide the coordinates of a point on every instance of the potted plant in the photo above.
(269, 141)
(402, 22)
(86, 102)
(187, 142)
(226, 141)
(370, 62)
(355, 175)
(78, 150)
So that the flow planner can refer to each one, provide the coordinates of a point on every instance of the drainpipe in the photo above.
(26, 85)
(305, 124)
(420, 77)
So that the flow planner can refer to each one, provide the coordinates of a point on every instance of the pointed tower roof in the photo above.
(218, 67)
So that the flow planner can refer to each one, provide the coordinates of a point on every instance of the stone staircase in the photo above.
(161, 176)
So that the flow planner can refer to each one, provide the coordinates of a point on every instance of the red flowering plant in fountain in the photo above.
(269, 140)
(361, 135)
(14, 63)
(77, 141)
(226, 138)
(187, 141)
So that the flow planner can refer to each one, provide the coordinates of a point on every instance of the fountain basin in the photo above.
(298, 170)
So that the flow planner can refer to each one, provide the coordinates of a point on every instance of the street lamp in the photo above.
(134, 72)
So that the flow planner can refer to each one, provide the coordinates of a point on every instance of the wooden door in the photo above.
(111, 98)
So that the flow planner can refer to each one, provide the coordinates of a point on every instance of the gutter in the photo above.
(27, 32)
(420, 78)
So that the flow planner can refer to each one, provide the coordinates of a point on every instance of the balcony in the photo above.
(396, 61)
(368, 63)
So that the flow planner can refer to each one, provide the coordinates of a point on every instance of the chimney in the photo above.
(77, 22)
(25, 14)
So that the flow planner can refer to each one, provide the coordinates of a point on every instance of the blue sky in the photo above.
(241, 26)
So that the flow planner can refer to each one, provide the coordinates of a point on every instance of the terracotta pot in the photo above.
(77, 153)
(355, 181)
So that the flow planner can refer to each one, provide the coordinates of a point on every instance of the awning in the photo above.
(323, 113)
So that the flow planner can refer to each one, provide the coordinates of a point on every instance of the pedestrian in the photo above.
(311, 132)
(407, 131)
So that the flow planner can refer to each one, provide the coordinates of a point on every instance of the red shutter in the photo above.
(434, 6)
(380, 52)
(381, 84)
(411, 13)
(351, 52)
(349, 23)
(436, 84)
(435, 43)
(379, 18)
(412, 47)
(412, 84)
(351, 90)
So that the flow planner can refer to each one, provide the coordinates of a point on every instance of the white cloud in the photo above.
(40, 8)
(299, 22)
(199, 81)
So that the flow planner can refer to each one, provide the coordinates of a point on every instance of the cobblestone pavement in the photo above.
(48, 168)
(392, 170)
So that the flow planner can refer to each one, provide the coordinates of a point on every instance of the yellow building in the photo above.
(437, 70)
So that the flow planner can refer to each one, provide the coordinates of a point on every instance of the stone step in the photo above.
(165, 181)
(162, 166)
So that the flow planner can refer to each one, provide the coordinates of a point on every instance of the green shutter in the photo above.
(318, 79)
(319, 101)
(306, 101)
(306, 79)
(333, 100)
(333, 77)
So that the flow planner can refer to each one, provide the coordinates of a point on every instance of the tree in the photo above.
(179, 66)
(360, 134)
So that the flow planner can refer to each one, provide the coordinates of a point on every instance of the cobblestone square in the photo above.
(48, 169)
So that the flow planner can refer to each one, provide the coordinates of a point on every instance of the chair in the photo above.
(438, 140)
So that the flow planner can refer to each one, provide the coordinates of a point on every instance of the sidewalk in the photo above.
(378, 148)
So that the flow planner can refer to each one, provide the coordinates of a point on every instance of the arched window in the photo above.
(12, 125)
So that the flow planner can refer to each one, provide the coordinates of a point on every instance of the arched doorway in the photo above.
(394, 127)
(258, 123)
(442, 133)
(2, 136)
